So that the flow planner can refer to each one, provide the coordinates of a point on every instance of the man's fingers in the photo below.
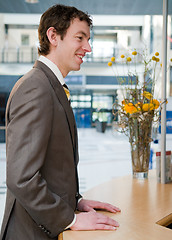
(105, 227)
(101, 219)
(108, 207)
(93, 221)
(86, 206)
(111, 208)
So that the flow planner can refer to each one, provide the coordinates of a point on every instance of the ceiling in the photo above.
(100, 7)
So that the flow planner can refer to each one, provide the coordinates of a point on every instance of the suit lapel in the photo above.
(60, 93)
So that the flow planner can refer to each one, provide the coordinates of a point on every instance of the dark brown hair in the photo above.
(59, 17)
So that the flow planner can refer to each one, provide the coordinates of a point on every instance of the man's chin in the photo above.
(77, 68)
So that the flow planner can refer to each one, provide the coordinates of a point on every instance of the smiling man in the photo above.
(42, 144)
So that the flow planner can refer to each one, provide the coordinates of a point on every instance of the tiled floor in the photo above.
(2, 180)
(103, 156)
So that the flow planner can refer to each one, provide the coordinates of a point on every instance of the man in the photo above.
(42, 150)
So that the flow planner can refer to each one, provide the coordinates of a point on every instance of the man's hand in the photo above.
(89, 219)
(90, 206)
(93, 221)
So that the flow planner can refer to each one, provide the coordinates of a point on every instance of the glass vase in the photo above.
(140, 139)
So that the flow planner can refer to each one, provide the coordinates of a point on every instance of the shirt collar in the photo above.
(53, 68)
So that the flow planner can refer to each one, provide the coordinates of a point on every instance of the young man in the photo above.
(42, 148)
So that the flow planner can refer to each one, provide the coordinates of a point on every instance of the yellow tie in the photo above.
(66, 91)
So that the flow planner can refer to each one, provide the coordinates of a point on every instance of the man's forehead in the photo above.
(80, 27)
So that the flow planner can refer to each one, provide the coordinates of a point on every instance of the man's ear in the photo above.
(52, 36)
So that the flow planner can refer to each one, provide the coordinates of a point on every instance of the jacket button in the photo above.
(77, 195)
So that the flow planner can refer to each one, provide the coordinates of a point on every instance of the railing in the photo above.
(29, 55)
(2, 134)
(18, 55)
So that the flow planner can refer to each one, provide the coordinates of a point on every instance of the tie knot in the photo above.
(65, 86)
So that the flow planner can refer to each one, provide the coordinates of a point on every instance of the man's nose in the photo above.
(87, 47)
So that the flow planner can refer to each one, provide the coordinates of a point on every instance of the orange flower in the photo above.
(148, 107)
(156, 103)
(147, 95)
(130, 108)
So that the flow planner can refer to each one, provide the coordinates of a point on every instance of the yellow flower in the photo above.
(109, 64)
(134, 53)
(154, 58)
(122, 56)
(147, 95)
(161, 64)
(171, 59)
(147, 107)
(157, 54)
(130, 108)
(128, 59)
(156, 103)
(113, 59)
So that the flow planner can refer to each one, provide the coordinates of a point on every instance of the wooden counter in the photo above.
(142, 202)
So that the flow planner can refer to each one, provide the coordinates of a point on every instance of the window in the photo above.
(25, 40)
(104, 43)
(170, 81)
(171, 35)
(3, 98)
(151, 35)
(81, 101)
(102, 108)
(129, 41)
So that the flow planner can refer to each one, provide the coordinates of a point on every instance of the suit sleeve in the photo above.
(28, 130)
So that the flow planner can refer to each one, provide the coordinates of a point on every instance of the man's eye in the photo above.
(80, 38)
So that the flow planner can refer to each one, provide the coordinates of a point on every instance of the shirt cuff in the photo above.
(72, 223)
(80, 199)
(74, 220)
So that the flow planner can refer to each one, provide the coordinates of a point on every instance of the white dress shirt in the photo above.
(53, 68)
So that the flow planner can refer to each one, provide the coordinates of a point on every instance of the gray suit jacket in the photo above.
(42, 157)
